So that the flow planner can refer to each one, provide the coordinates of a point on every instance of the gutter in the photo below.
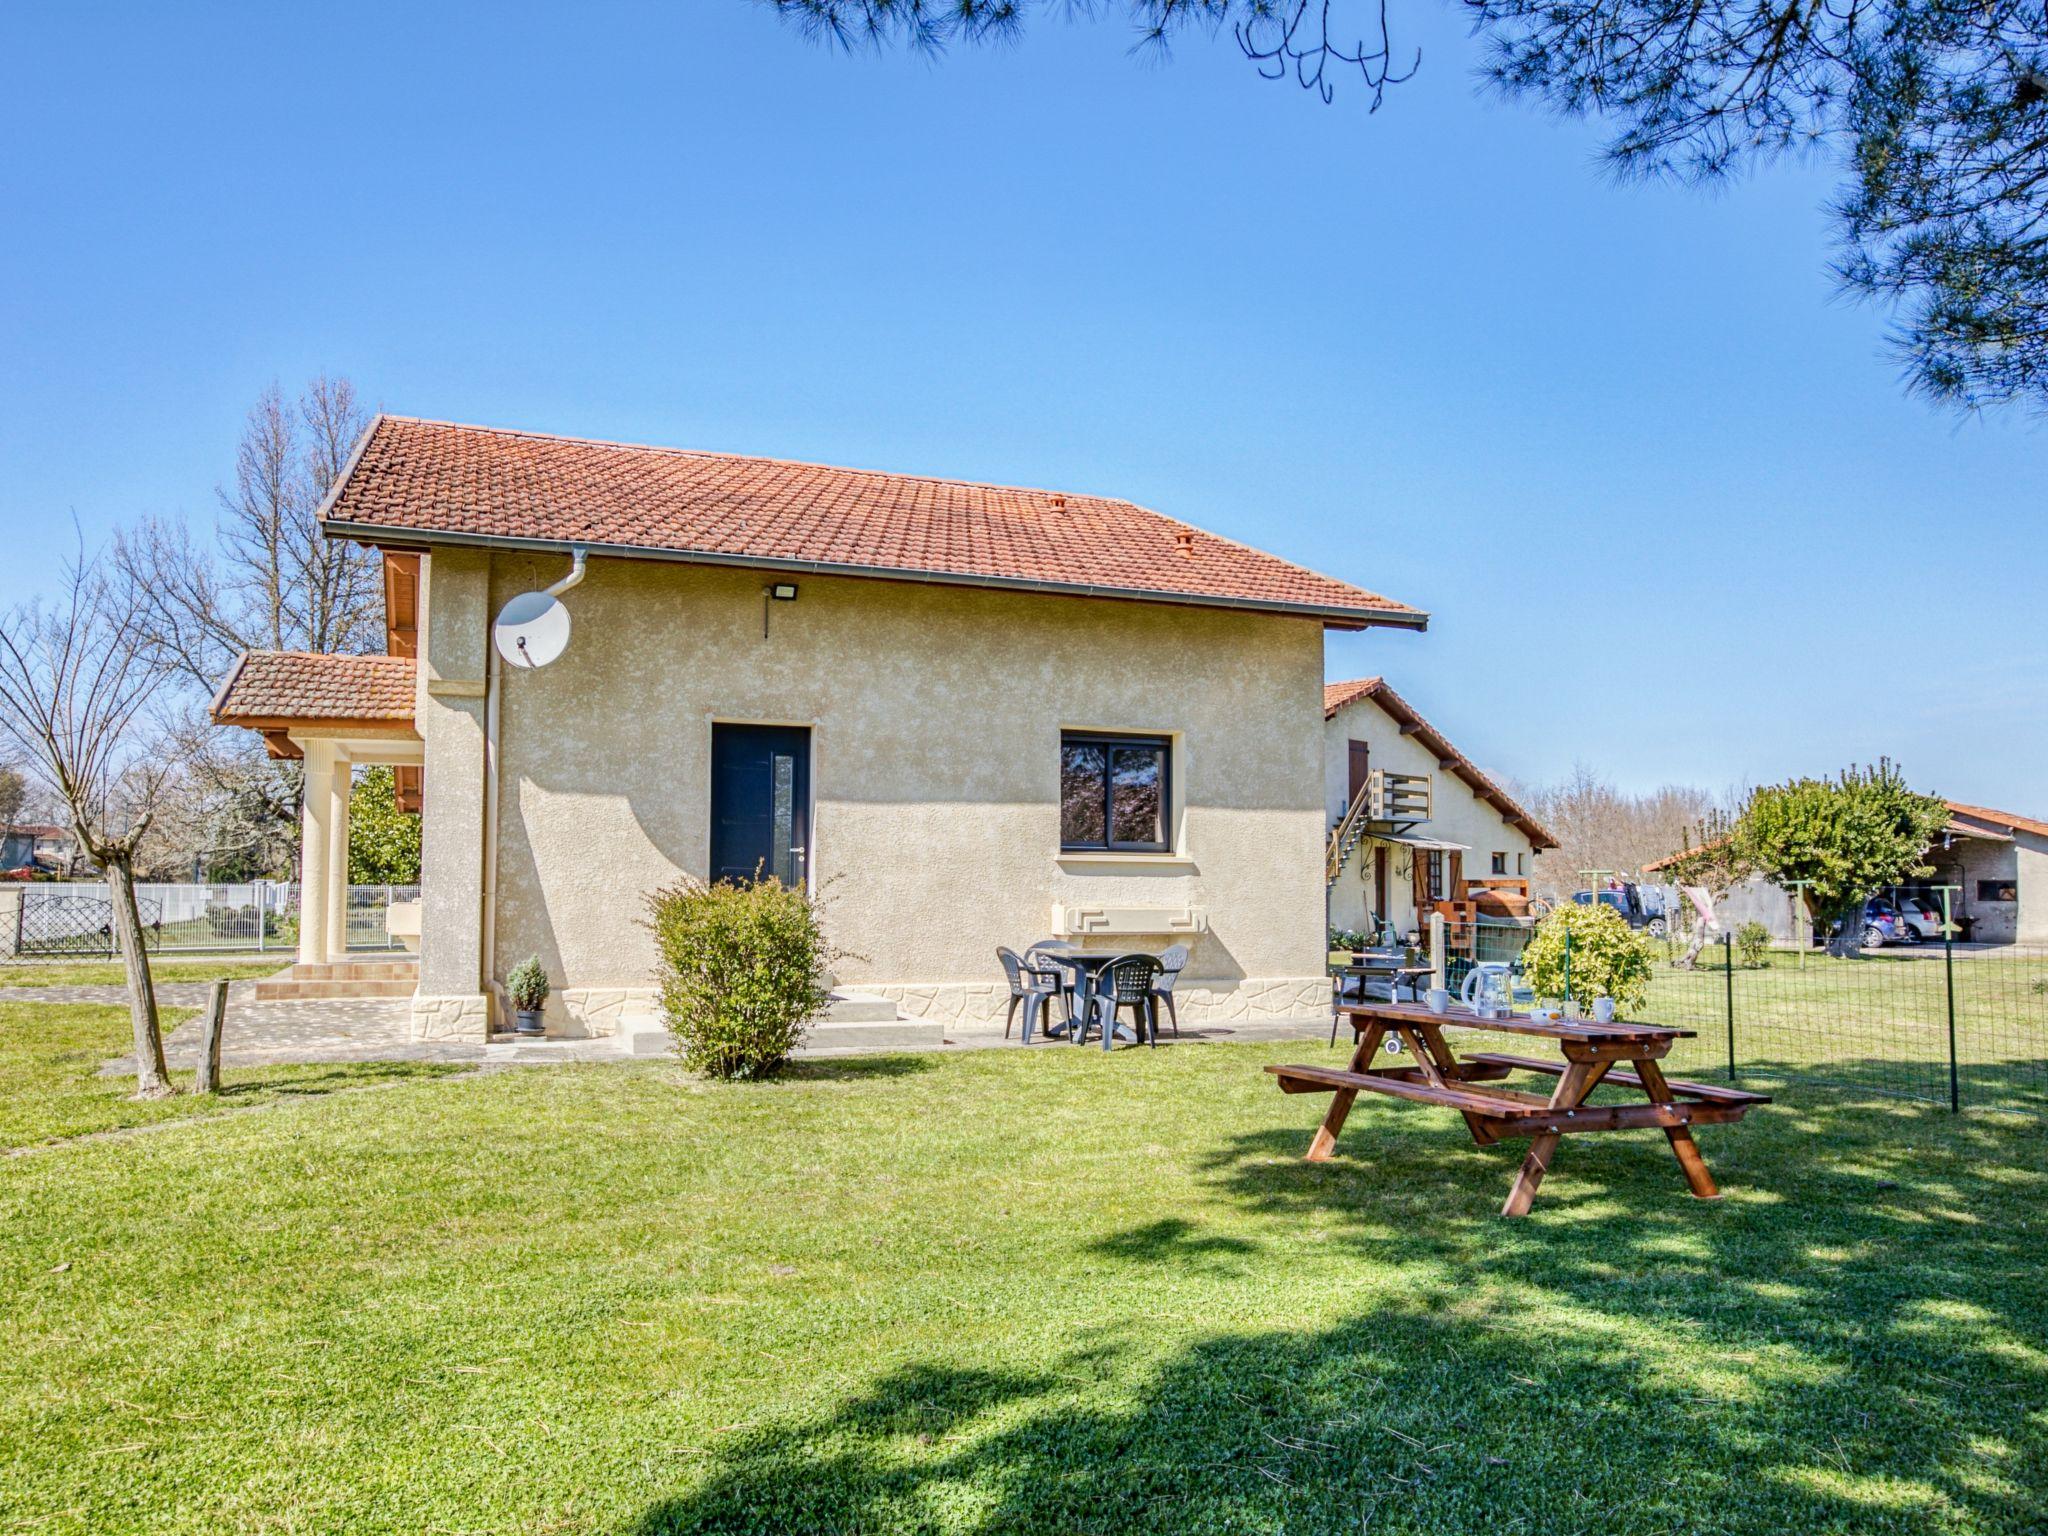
(1332, 617)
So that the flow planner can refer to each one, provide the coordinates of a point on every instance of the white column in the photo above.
(337, 860)
(316, 851)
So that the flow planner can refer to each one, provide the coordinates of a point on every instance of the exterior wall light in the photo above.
(775, 592)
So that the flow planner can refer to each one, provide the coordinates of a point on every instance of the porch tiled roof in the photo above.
(1337, 695)
(272, 688)
(2006, 819)
(441, 482)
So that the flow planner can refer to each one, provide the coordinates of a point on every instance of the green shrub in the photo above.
(742, 970)
(1607, 957)
(1349, 938)
(528, 985)
(1751, 940)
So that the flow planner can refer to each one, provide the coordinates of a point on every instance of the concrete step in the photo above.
(859, 1008)
(897, 1034)
(396, 969)
(289, 991)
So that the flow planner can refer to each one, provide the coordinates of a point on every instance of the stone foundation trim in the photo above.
(462, 1016)
(1198, 1002)
(592, 1013)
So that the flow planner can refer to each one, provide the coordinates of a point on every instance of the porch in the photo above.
(331, 714)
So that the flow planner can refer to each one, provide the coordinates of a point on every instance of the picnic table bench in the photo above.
(1624, 1054)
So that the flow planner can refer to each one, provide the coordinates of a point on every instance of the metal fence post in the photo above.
(262, 912)
(1948, 966)
(1728, 981)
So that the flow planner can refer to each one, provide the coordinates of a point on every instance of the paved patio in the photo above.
(375, 1029)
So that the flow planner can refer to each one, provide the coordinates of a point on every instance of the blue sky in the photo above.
(1659, 487)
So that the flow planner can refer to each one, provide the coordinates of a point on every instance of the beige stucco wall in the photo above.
(1458, 815)
(2023, 861)
(454, 622)
(935, 716)
(2031, 858)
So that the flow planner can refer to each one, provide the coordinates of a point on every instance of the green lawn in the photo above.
(1048, 1291)
(108, 973)
(1880, 1021)
(50, 1087)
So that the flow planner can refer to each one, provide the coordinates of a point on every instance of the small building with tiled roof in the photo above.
(1991, 865)
(968, 715)
(1415, 825)
(1997, 863)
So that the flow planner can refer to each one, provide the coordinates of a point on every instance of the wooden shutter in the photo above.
(1361, 767)
(1419, 862)
(1454, 879)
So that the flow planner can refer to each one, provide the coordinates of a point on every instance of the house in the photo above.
(1992, 864)
(965, 715)
(37, 849)
(1415, 826)
(1998, 864)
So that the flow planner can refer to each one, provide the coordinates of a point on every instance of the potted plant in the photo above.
(528, 986)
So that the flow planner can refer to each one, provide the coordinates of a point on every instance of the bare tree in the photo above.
(76, 681)
(268, 580)
(273, 581)
(1600, 827)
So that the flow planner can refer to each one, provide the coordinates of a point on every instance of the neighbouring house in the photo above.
(1415, 826)
(965, 715)
(1993, 865)
(38, 849)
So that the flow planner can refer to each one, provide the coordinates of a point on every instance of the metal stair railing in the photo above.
(1346, 835)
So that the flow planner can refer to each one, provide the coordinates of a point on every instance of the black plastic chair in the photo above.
(1172, 961)
(1030, 986)
(1069, 975)
(1125, 982)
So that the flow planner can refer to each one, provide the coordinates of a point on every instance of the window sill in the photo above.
(1084, 858)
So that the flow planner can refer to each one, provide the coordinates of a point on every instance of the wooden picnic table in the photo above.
(1625, 1054)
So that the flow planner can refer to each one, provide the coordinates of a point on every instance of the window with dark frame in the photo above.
(1998, 890)
(1500, 863)
(1116, 792)
(1434, 889)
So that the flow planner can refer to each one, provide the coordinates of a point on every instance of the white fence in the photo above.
(260, 916)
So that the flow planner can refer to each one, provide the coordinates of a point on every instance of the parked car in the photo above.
(1922, 918)
(1882, 925)
(1639, 908)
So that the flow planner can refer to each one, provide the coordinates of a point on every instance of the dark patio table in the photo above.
(1090, 963)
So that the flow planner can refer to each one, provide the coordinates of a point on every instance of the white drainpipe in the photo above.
(495, 682)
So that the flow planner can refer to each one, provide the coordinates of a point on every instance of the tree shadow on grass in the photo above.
(1855, 1340)
(332, 1077)
(1444, 1415)
(1173, 1241)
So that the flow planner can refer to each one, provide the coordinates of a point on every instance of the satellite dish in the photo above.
(532, 630)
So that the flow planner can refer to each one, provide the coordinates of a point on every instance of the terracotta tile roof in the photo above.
(273, 687)
(428, 482)
(1337, 695)
(2006, 819)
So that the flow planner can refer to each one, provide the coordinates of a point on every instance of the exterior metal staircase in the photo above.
(1346, 835)
(1384, 802)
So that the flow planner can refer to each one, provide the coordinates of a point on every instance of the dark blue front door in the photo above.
(760, 802)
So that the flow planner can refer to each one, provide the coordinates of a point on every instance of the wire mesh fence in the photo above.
(59, 919)
(1941, 1022)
